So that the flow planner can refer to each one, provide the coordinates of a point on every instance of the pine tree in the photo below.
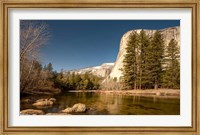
(154, 61)
(171, 78)
(130, 62)
(49, 67)
(77, 80)
(144, 43)
(156, 58)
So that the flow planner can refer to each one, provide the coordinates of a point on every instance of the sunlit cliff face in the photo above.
(168, 34)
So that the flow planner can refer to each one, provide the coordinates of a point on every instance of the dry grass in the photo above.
(149, 92)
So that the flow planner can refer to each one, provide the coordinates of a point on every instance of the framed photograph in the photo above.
(100, 66)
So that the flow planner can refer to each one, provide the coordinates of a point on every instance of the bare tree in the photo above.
(33, 35)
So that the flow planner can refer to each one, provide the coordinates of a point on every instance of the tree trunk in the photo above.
(140, 85)
(156, 86)
(135, 85)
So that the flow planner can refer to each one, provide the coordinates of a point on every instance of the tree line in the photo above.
(148, 64)
(72, 81)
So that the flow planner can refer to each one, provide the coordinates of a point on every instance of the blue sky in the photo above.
(76, 44)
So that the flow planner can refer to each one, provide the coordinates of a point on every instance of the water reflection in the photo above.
(116, 104)
(105, 103)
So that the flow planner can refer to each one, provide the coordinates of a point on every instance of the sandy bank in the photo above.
(149, 92)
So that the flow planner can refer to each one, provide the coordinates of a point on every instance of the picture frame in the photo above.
(6, 5)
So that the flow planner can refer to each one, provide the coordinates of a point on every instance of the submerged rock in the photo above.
(68, 110)
(43, 103)
(52, 99)
(58, 113)
(31, 112)
(40, 100)
(79, 107)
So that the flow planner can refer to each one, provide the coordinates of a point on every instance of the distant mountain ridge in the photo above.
(102, 71)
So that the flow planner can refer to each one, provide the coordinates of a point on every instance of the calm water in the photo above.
(113, 104)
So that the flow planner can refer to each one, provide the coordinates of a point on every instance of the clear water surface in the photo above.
(114, 104)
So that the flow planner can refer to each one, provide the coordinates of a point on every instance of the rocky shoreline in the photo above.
(44, 91)
(47, 103)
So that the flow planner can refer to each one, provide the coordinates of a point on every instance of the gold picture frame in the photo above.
(193, 4)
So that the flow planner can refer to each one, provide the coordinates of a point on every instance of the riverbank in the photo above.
(149, 92)
(43, 91)
(101, 102)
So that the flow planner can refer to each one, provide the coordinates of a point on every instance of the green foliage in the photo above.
(155, 59)
(171, 76)
(130, 62)
(49, 67)
(72, 81)
(144, 77)
(143, 62)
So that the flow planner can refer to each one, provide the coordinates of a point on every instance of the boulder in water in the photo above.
(58, 113)
(43, 103)
(79, 107)
(68, 110)
(31, 112)
(52, 99)
(40, 100)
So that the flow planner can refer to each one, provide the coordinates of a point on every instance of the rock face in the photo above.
(168, 34)
(112, 70)
(102, 70)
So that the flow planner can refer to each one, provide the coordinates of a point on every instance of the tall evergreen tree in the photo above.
(146, 67)
(154, 61)
(130, 62)
(144, 43)
(171, 78)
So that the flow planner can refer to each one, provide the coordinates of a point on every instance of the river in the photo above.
(114, 104)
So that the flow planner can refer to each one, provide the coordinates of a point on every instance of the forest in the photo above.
(148, 64)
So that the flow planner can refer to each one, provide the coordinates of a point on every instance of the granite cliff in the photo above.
(168, 34)
(112, 70)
